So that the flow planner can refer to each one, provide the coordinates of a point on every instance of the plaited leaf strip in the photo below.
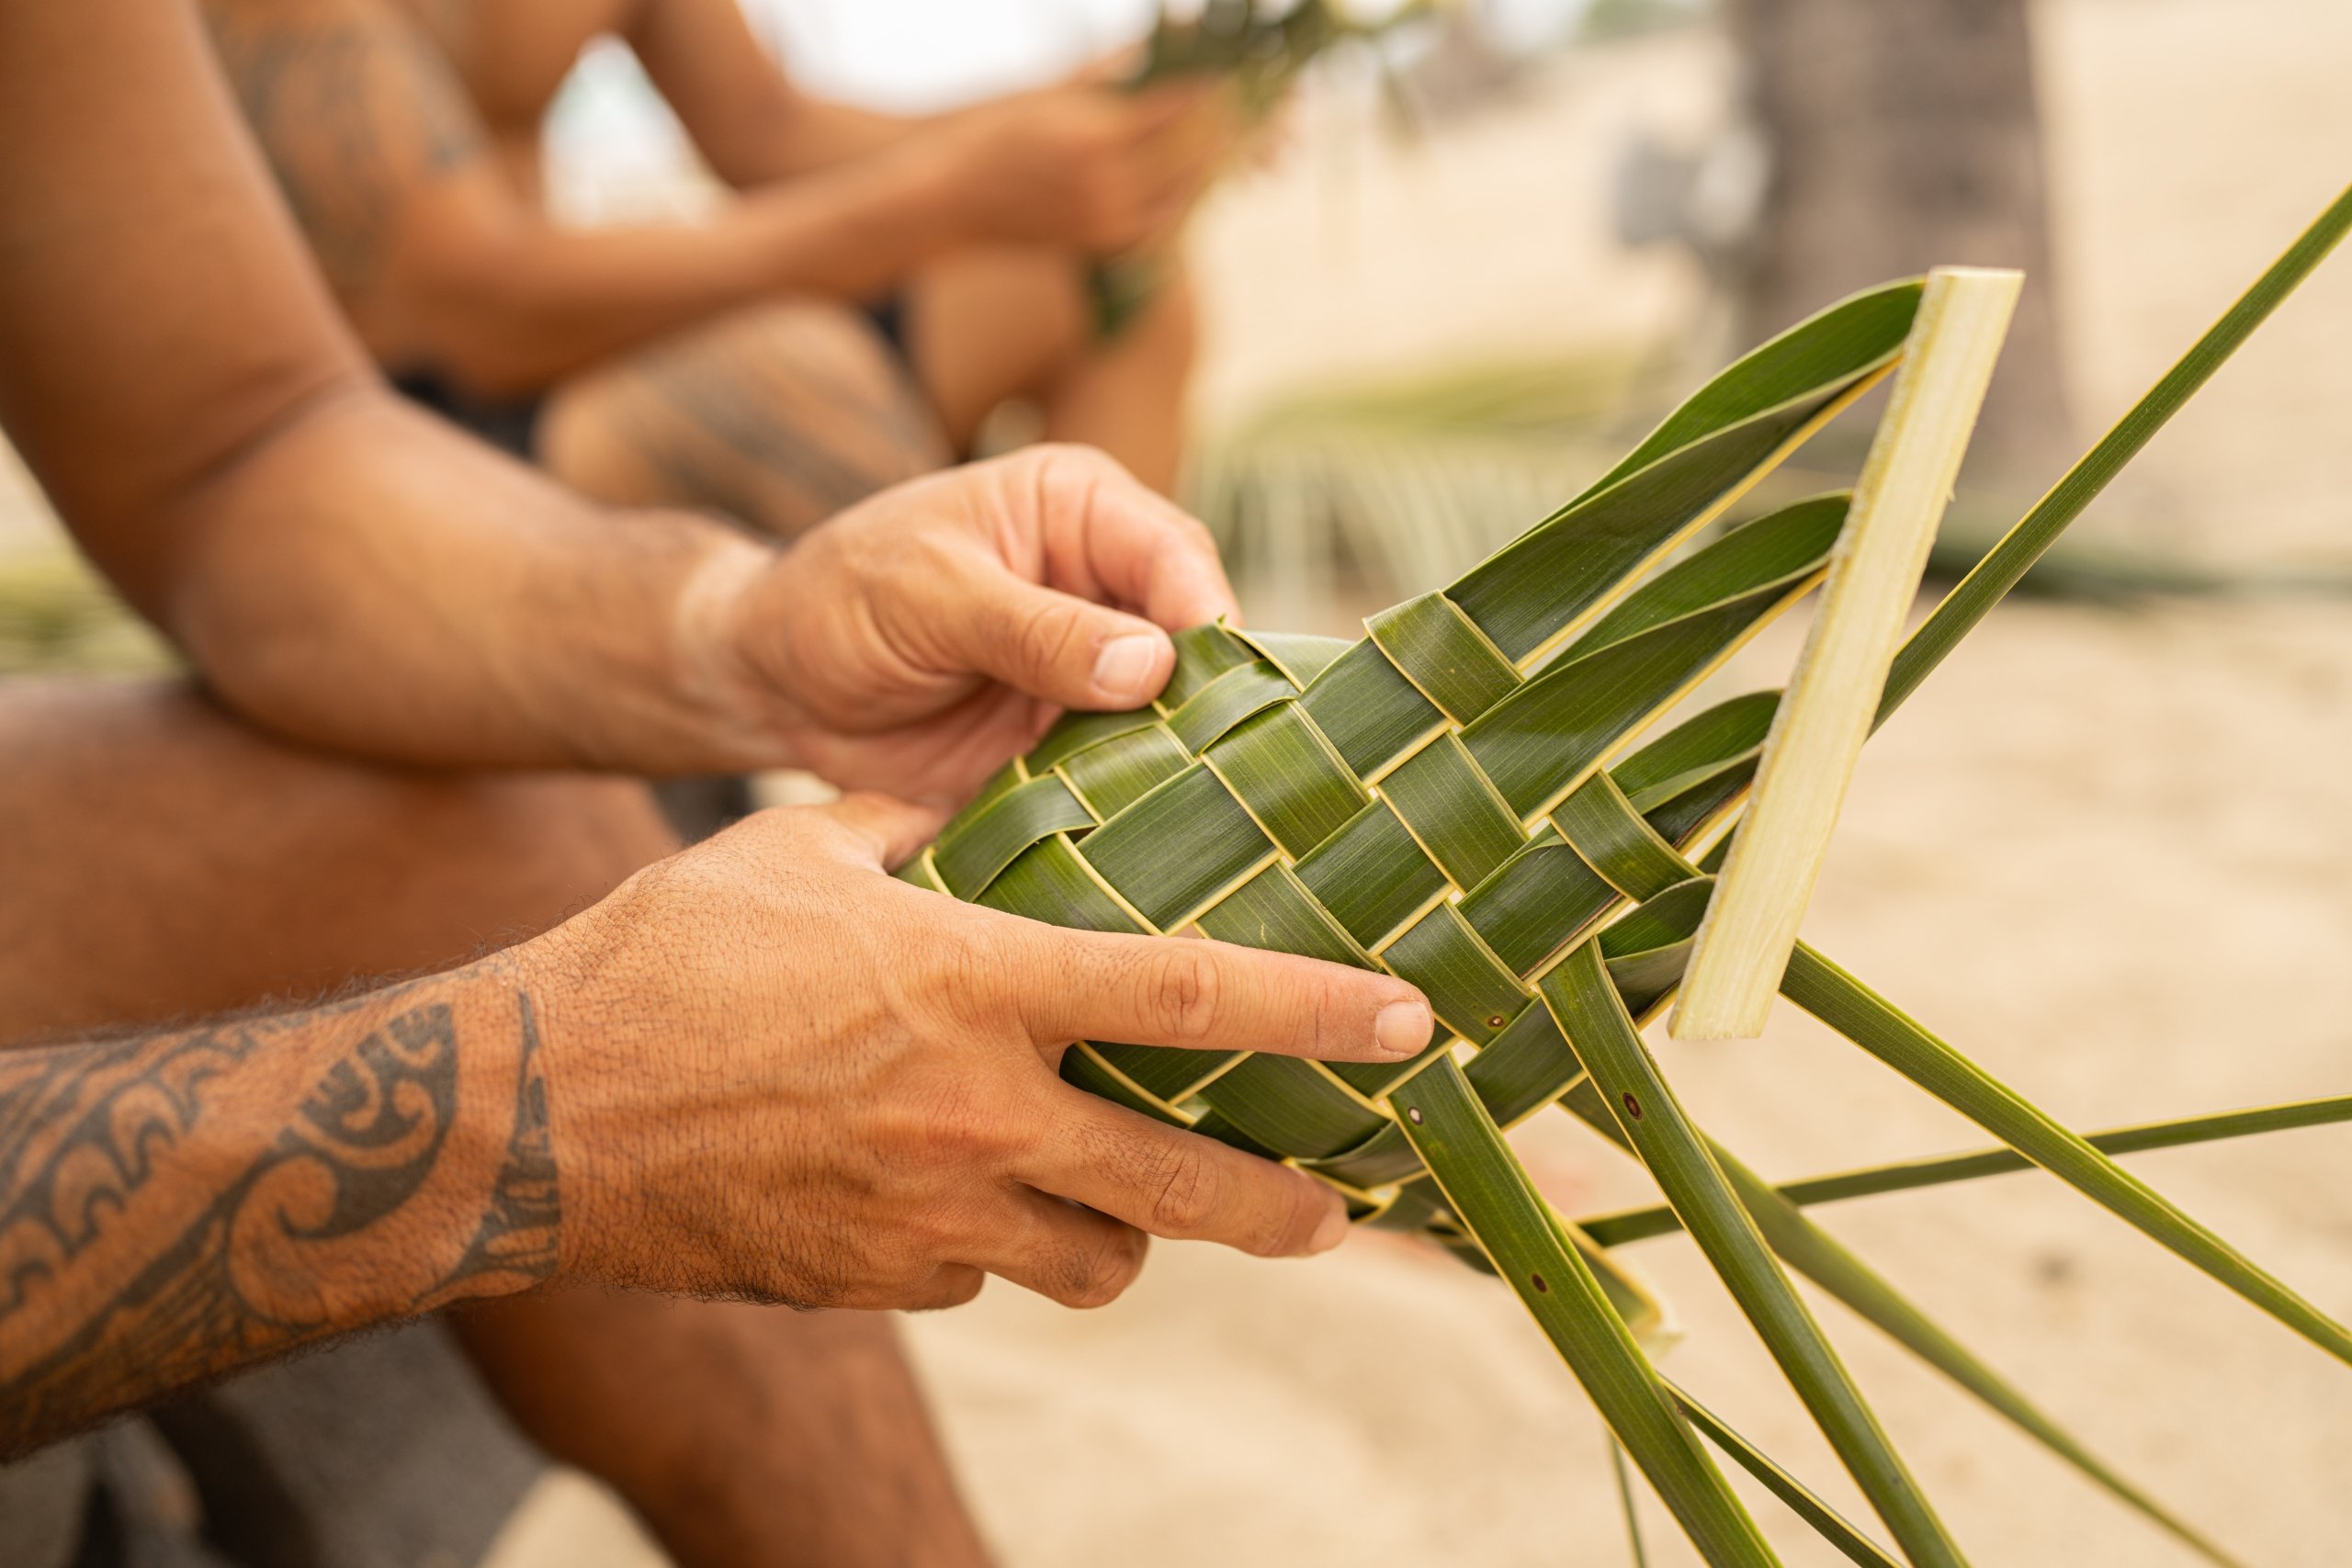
(1464, 798)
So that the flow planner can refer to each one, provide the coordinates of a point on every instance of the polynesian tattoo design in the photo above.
(780, 420)
(128, 1267)
(356, 110)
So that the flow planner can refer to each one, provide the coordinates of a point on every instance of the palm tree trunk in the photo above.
(1904, 134)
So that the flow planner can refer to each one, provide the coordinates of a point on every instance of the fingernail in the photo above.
(1402, 1028)
(1124, 666)
(1330, 1233)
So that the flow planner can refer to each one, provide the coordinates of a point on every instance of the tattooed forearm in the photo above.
(514, 1245)
(176, 1206)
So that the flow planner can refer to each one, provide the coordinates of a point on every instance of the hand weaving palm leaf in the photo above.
(1465, 798)
(1258, 53)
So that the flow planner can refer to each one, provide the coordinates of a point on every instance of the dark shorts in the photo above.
(888, 315)
(385, 1451)
(511, 424)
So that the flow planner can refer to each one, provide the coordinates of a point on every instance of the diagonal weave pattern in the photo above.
(1433, 799)
(1464, 798)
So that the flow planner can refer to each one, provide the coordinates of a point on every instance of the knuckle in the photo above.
(967, 979)
(1066, 462)
(910, 1278)
(968, 1128)
(1103, 1274)
(1183, 992)
(1331, 1015)
(938, 1229)
(1068, 474)
(1185, 1194)
(1044, 634)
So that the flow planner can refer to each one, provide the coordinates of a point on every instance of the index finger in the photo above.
(1210, 996)
(1107, 533)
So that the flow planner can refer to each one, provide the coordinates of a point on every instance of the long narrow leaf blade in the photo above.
(1488, 1192)
(1585, 1002)
(1626, 1503)
(1875, 1024)
(1826, 712)
(1814, 1252)
(1826, 1520)
(1938, 1170)
(1818, 1256)
(2008, 561)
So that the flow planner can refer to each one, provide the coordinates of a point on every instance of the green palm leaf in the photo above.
(1472, 797)
(1826, 1521)
(1586, 1004)
(1937, 1170)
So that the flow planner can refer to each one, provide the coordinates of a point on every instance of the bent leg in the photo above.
(799, 1446)
(986, 325)
(779, 417)
(160, 861)
(1127, 396)
(991, 325)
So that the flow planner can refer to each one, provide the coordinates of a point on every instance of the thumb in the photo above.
(890, 829)
(1053, 645)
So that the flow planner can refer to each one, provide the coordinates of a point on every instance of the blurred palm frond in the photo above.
(1357, 492)
(57, 614)
(1386, 484)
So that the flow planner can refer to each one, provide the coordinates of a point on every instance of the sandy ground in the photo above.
(2104, 853)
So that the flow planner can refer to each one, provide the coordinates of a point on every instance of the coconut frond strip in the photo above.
(1491, 796)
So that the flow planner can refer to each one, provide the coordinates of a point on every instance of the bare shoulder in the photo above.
(357, 108)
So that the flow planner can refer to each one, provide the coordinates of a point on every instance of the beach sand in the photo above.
(2104, 851)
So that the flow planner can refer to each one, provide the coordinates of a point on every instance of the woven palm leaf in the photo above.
(1486, 797)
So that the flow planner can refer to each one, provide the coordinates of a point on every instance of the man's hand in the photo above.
(1087, 167)
(776, 1073)
(917, 640)
(762, 1068)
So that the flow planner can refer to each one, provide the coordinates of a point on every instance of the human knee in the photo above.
(777, 416)
(806, 360)
(188, 863)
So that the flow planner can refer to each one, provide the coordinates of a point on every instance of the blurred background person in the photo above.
(1410, 348)
(878, 285)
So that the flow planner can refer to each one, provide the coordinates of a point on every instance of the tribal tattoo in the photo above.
(175, 1206)
(779, 418)
(357, 111)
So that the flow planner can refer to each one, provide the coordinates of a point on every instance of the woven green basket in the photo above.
(1465, 798)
